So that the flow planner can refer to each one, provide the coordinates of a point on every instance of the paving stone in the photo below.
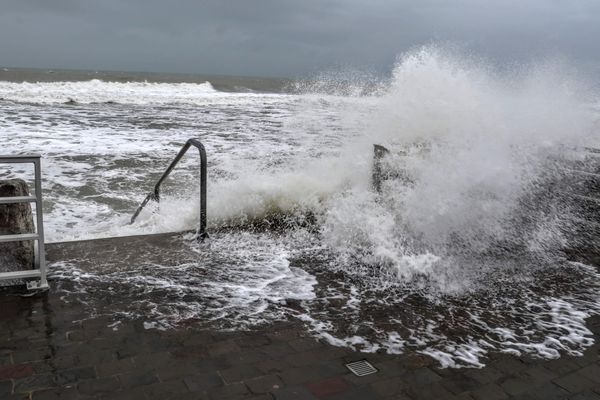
(328, 387)
(234, 389)
(33, 355)
(240, 373)
(485, 375)
(203, 381)
(561, 366)
(58, 362)
(99, 386)
(388, 387)
(515, 386)
(458, 382)
(253, 341)
(538, 374)
(490, 391)
(274, 366)
(222, 336)
(58, 394)
(126, 352)
(212, 364)
(221, 348)
(88, 357)
(152, 360)
(522, 396)
(299, 375)
(509, 365)
(362, 380)
(264, 384)
(15, 371)
(34, 382)
(197, 338)
(592, 372)
(589, 357)
(247, 356)
(305, 344)
(66, 376)
(464, 396)
(115, 367)
(76, 336)
(18, 396)
(296, 392)
(165, 390)
(547, 391)
(430, 391)
(276, 350)
(415, 361)
(5, 388)
(96, 323)
(357, 393)
(195, 352)
(73, 349)
(585, 395)
(179, 370)
(389, 368)
(136, 393)
(300, 359)
(421, 377)
(194, 396)
(137, 378)
(574, 382)
(285, 335)
(109, 343)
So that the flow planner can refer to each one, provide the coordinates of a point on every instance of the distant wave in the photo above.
(98, 91)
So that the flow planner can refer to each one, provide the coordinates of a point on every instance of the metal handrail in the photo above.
(38, 237)
(155, 195)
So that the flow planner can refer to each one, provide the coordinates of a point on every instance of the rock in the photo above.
(14, 219)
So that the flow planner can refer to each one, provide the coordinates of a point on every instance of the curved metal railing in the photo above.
(155, 195)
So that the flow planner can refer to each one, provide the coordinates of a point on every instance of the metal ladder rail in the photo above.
(155, 195)
(39, 251)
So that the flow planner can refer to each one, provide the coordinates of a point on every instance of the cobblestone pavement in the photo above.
(50, 349)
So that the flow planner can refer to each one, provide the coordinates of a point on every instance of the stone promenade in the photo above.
(52, 349)
(45, 355)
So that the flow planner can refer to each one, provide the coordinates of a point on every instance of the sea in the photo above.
(459, 255)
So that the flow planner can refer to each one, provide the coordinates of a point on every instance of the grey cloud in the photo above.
(282, 37)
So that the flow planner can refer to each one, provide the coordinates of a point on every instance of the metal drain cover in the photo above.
(361, 368)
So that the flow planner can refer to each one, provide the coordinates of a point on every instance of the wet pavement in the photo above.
(51, 348)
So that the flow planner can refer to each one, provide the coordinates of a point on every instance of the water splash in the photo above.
(458, 256)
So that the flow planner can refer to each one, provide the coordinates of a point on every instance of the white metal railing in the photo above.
(38, 237)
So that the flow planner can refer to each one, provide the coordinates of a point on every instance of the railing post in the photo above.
(41, 259)
(377, 176)
(202, 234)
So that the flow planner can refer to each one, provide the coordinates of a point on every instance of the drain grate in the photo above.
(361, 368)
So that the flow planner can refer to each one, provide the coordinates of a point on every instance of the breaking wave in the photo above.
(98, 91)
(463, 251)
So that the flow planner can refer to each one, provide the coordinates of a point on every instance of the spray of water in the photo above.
(460, 252)
(472, 146)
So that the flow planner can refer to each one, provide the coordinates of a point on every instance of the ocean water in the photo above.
(462, 252)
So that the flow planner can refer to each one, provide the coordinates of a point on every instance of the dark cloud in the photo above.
(281, 37)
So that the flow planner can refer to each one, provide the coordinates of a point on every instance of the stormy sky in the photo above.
(287, 38)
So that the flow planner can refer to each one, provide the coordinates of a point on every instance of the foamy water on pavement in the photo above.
(415, 266)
